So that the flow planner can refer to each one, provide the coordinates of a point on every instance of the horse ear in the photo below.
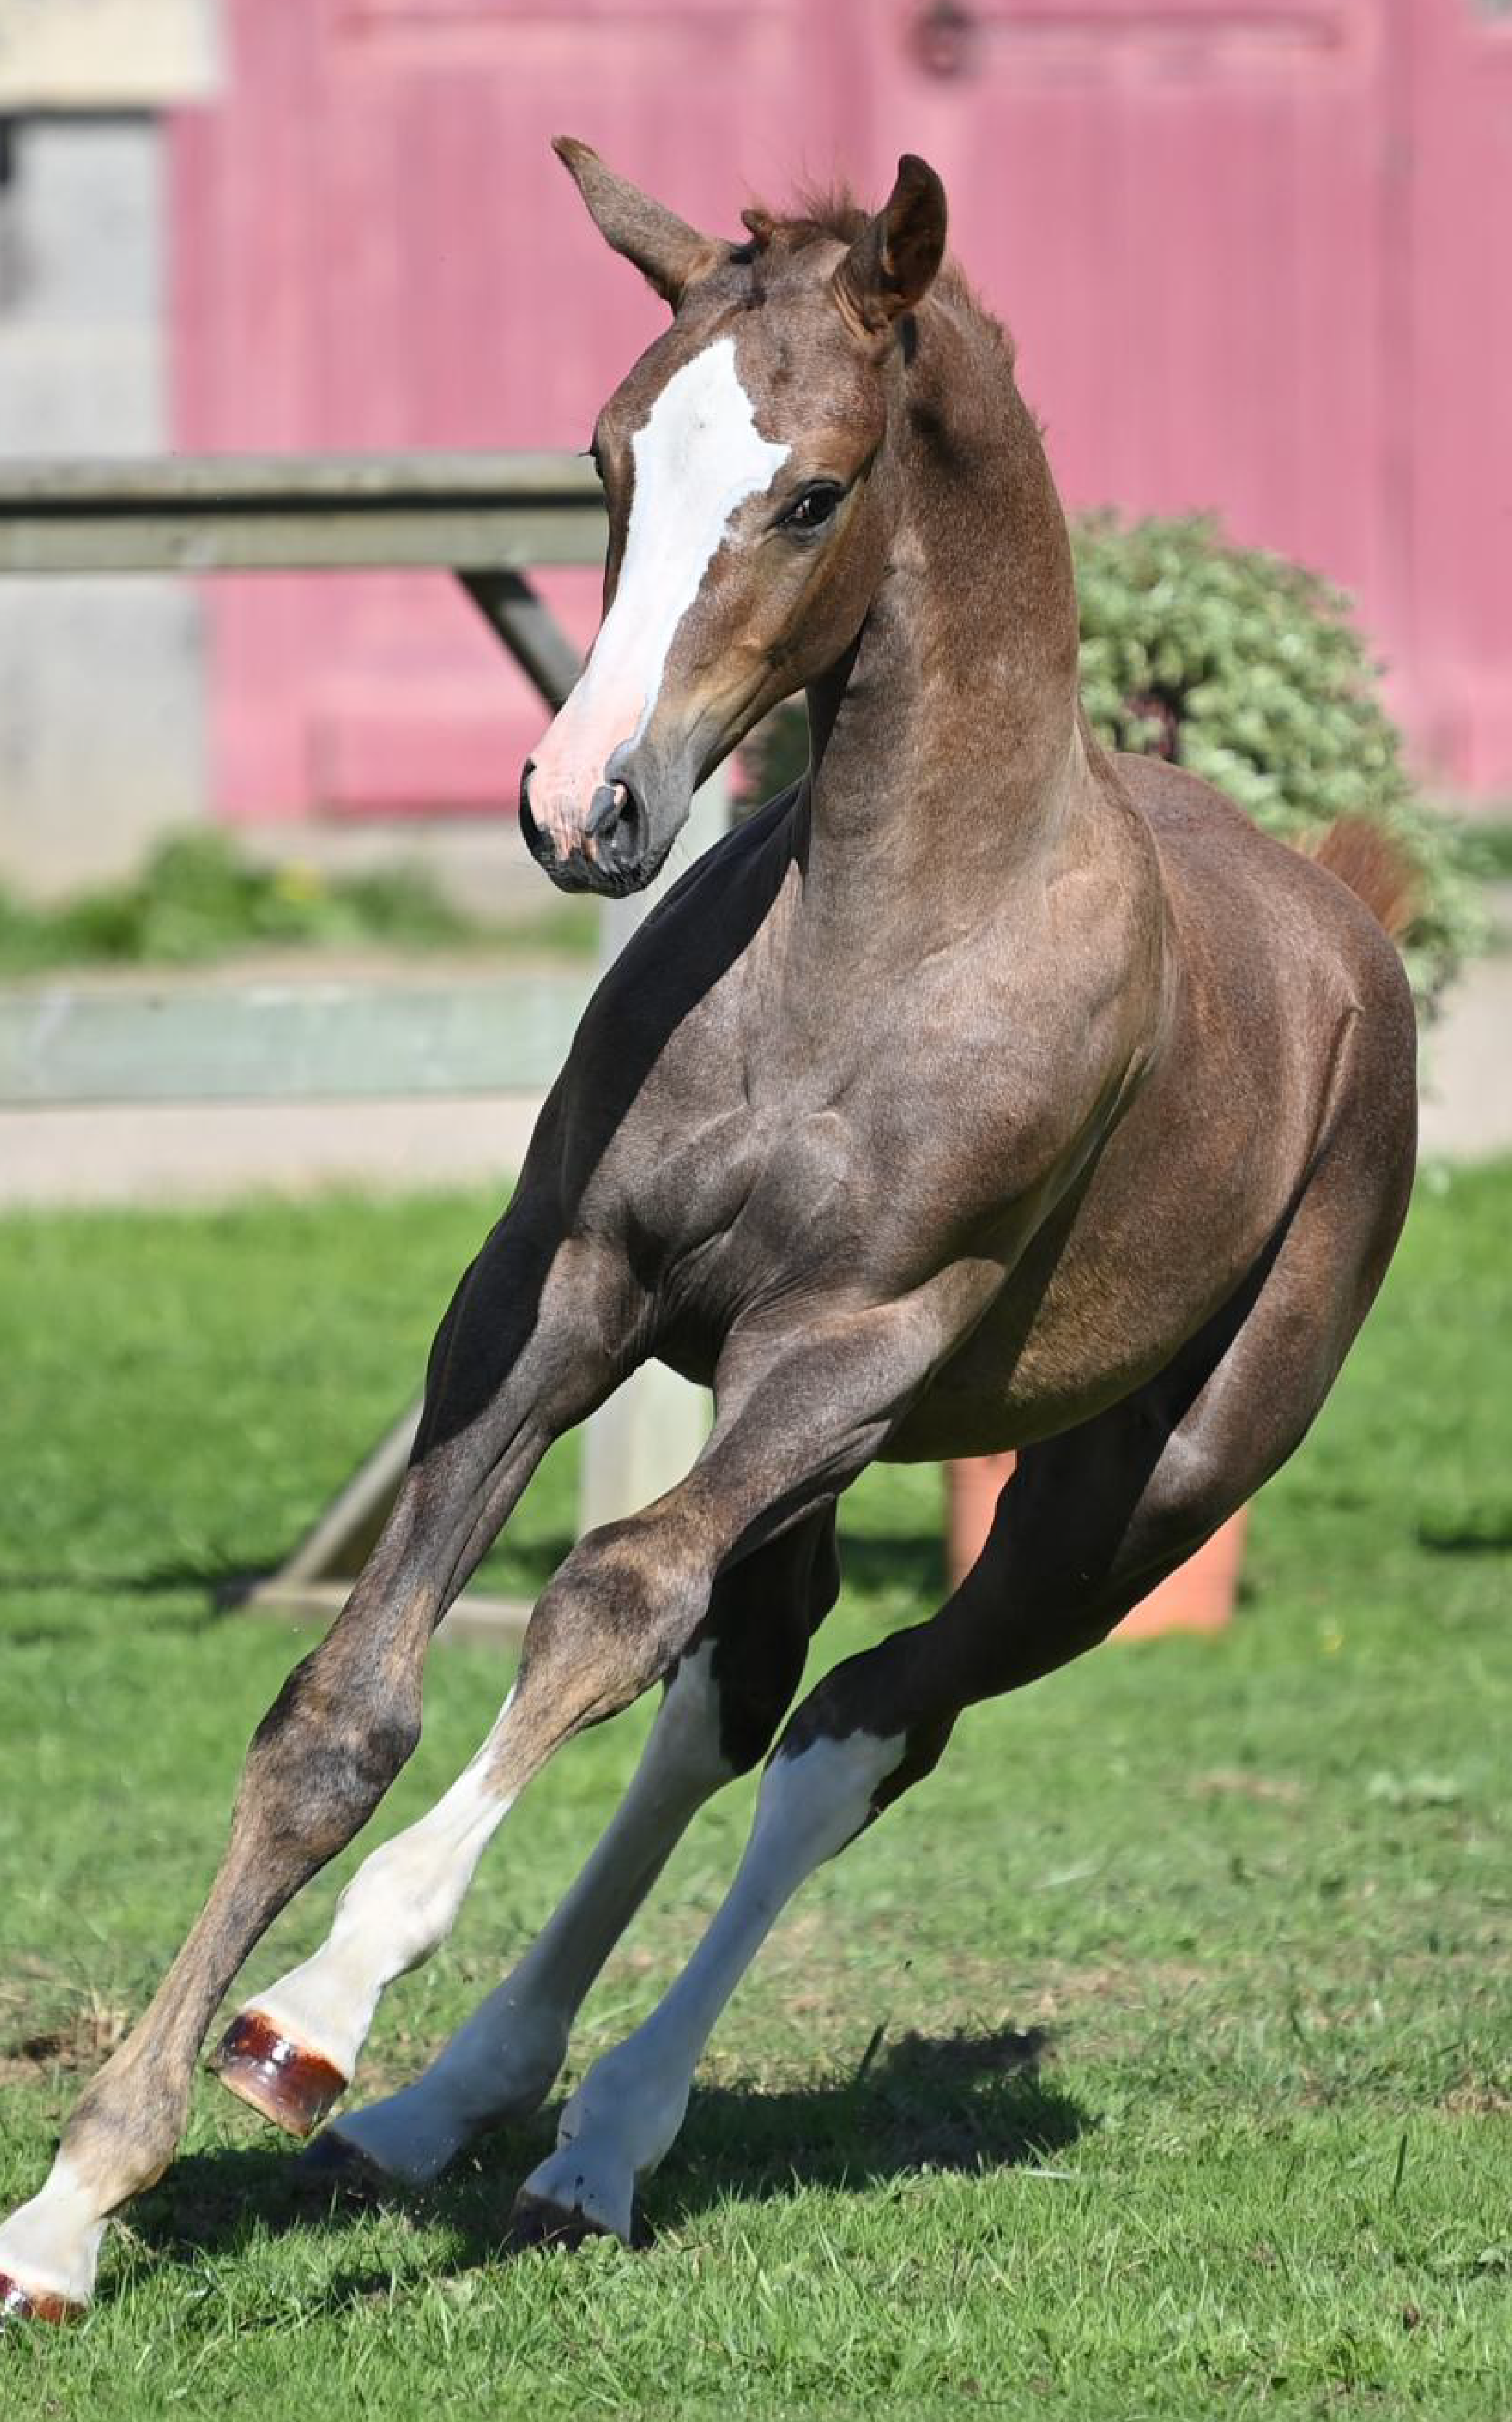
(890, 266)
(668, 253)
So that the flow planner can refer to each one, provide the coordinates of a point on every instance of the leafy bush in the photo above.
(1249, 671)
(195, 899)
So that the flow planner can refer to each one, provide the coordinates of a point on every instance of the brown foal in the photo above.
(982, 1091)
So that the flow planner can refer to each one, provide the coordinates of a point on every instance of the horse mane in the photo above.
(832, 213)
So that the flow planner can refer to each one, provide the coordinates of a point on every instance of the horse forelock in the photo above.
(833, 214)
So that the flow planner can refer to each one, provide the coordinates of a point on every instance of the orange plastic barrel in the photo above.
(1198, 1596)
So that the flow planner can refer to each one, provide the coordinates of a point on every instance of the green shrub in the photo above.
(195, 899)
(1249, 671)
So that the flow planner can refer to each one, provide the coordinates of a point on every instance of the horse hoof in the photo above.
(536, 2221)
(293, 2087)
(19, 2303)
(334, 2165)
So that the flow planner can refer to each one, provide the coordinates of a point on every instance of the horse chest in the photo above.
(746, 1208)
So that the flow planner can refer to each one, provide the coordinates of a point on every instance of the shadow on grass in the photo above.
(226, 1587)
(873, 1563)
(912, 1561)
(964, 2103)
(188, 1596)
(1490, 1538)
(212, 1575)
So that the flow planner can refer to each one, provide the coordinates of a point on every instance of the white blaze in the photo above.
(696, 460)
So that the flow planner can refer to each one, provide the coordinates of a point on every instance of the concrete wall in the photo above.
(106, 54)
(102, 738)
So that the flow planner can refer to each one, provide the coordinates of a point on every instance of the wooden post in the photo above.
(642, 1441)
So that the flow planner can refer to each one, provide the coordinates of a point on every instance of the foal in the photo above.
(982, 1092)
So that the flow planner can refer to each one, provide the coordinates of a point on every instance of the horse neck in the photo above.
(947, 744)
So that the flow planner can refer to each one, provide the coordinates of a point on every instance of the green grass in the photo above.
(1255, 1891)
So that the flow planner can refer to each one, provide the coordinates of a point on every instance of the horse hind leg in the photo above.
(1089, 1525)
(723, 1703)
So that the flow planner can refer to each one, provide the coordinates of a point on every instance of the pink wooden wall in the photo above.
(1255, 253)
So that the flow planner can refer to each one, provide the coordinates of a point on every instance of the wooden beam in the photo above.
(532, 635)
(483, 513)
(313, 1583)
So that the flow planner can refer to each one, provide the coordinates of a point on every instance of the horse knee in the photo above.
(618, 1611)
(879, 1703)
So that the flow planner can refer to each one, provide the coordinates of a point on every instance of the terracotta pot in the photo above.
(971, 1492)
(1198, 1596)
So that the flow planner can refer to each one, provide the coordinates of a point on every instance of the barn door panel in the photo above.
(378, 250)
(1178, 209)
(1456, 370)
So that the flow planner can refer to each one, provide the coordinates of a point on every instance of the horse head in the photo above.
(746, 468)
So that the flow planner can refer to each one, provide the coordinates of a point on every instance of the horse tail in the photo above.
(1379, 871)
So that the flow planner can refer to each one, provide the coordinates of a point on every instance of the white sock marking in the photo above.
(502, 2063)
(628, 2109)
(51, 2245)
(696, 460)
(399, 1905)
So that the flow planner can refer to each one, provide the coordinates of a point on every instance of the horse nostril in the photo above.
(535, 839)
(616, 827)
(606, 810)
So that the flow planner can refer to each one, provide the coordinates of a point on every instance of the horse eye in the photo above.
(816, 507)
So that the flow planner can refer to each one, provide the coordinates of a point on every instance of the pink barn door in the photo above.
(1255, 256)
(1253, 252)
(377, 249)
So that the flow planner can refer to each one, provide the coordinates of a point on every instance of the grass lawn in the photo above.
(1254, 1894)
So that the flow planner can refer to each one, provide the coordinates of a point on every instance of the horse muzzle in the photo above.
(615, 843)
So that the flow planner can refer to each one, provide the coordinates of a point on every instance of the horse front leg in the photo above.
(724, 1701)
(795, 1425)
(532, 1341)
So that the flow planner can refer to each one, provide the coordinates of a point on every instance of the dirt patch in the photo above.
(80, 2040)
(1134, 1984)
(1239, 1782)
(1477, 2098)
